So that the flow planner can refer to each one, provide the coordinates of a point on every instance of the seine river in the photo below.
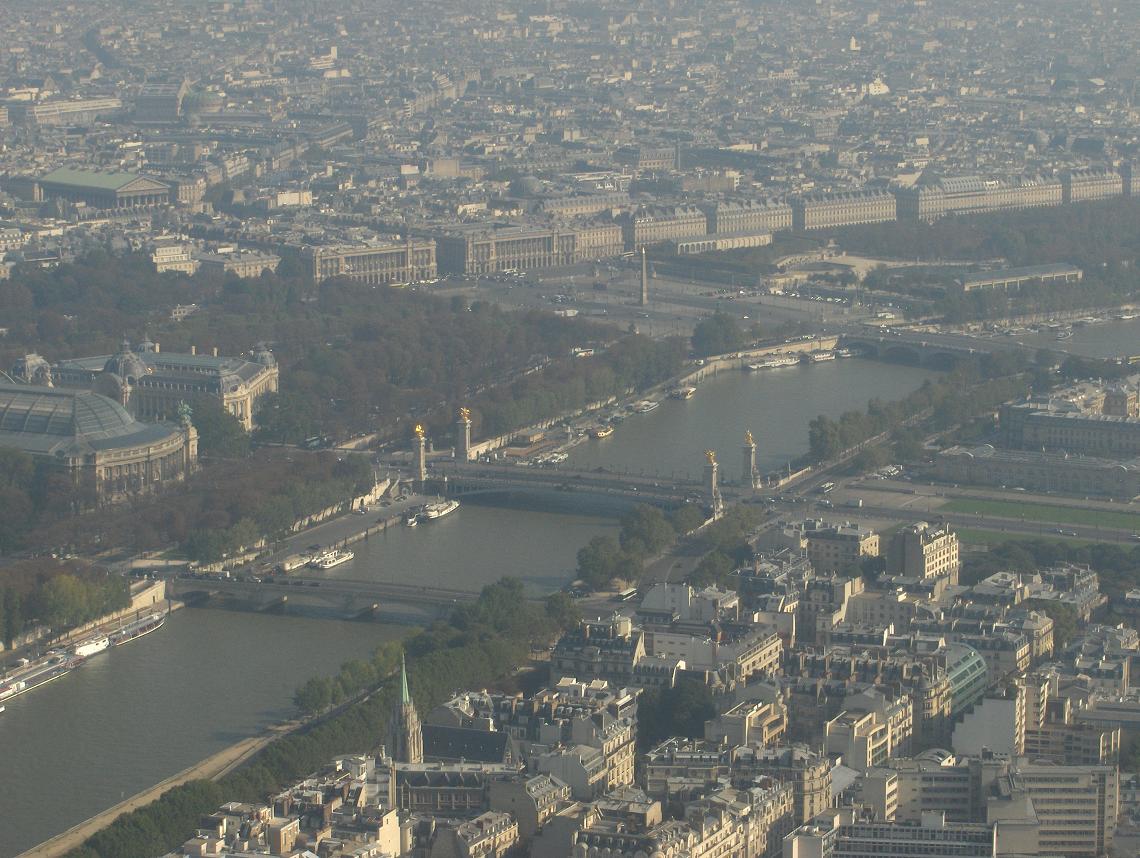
(1106, 340)
(131, 717)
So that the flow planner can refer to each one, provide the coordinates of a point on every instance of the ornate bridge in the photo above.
(457, 480)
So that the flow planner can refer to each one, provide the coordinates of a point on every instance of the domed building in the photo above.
(152, 384)
(103, 448)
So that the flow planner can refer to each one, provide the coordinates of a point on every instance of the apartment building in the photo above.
(961, 195)
(747, 216)
(654, 224)
(846, 208)
(923, 550)
(1091, 183)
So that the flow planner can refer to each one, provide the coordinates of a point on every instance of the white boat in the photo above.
(438, 510)
(774, 362)
(334, 558)
(645, 406)
(138, 628)
(412, 519)
(819, 357)
(682, 392)
(90, 646)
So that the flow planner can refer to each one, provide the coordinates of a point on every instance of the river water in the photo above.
(775, 404)
(1105, 340)
(140, 713)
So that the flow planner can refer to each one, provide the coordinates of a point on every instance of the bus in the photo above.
(626, 595)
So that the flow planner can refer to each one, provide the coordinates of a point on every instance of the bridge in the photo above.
(461, 480)
(920, 348)
(322, 595)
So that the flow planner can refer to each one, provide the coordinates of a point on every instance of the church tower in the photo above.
(406, 739)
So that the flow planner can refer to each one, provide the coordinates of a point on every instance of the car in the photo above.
(401, 497)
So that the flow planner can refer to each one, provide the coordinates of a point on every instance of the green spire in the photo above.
(405, 698)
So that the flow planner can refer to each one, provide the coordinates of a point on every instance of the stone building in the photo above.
(1091, 183)
(934, 198)
(924, 550)
(487, 249)
(107, 453)
(389, 263)
(115, 191)
(845, 208)
(153, 384)
(648, 225)
(741, 216)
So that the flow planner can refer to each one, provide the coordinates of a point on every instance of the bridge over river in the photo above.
(460, 480)
(322, 595)
(922, 348)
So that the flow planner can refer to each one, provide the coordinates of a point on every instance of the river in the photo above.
(775, 404)
(140, 713)
(1105, 340)
(135, 715)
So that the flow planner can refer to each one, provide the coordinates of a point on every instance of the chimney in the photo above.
(215, 350)
(193, 350)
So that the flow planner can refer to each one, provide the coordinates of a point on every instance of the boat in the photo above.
(645, 406)
(1064, 335)
(91, 646)
(334, 558)
(412, 519)
(682, 392)
(774, 362)
(438, 510)
(819, 357)
(137, 628)
(37, 674)
(602, 431)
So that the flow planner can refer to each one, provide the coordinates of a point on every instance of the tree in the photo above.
(563, 610)
(823, 439)
(314, 696)
(220, 434)
(646, 527)
(686, 518)
(715, 568)
(598, 561)
(716, 335)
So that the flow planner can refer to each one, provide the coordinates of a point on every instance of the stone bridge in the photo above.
(317, 595)
(938, 351)
(618, 489)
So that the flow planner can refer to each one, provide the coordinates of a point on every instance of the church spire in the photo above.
(405, 737)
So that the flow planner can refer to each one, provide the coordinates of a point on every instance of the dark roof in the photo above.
(463, 743)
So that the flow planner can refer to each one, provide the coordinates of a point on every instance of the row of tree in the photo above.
(58, 595)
